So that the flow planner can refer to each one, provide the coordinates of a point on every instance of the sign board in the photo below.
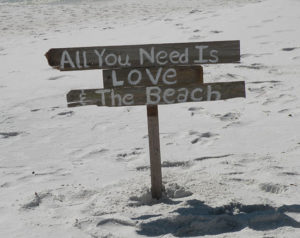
(154, 95)
(143, 77)
(154, 55)
(150, 75)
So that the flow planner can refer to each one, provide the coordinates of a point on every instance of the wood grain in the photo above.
(126, 77)
(85, 58)
(154, 150)
(120, 96)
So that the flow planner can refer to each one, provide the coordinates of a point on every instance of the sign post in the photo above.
(150, 75)
(154, 150)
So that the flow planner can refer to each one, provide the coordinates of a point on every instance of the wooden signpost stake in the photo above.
(150, 75)
(154, 149)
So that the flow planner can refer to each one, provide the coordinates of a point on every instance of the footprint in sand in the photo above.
(272, 188)
(168, 164)
(290, 48)
(66, 113)
(130, 155)
(260, 82)
(5, 185)
(194, 11)
(204, 138)
(290, 173)
(212, 157)
(256, 66)
(57, 77)
(216, 32)
(6, 135)
(230, 116)
(195, 110)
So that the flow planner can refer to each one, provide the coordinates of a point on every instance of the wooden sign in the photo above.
(154, 95)
(143, 77)
(154, 55)
(150, 75)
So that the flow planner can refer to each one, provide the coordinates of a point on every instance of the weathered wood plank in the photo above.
(154, 150)
(156, 94)
(133, 56)
(168, 76)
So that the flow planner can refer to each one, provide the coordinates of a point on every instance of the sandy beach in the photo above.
(230, 168)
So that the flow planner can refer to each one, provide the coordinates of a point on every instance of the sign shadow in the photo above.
(199, 219)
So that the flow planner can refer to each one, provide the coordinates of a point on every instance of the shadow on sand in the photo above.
(199, 219)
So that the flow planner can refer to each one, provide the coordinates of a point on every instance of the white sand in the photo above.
(231, 169)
